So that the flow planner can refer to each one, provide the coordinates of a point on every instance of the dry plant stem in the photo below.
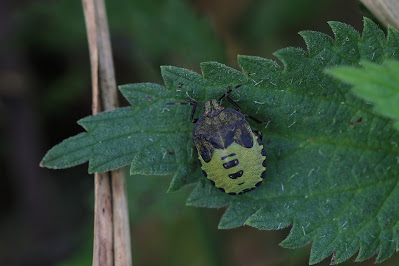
(387, 11)
(122, 245)
(103, 238)
(111, 221)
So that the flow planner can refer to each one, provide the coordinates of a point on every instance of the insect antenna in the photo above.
(188, 102)
(178, 104)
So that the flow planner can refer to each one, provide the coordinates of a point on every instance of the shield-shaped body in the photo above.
(232, 156)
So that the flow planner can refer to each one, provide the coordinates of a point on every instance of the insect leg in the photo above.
(189, 102)
(229, 90)
(194, 104)
(260, 122)
(259, 134)
(233, 103)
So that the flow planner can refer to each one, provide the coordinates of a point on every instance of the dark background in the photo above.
(46, 216)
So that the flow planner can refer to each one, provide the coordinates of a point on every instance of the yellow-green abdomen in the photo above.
(236, 169)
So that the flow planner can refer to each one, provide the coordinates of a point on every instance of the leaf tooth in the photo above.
(292, 58)
(346, 42)
(324, 243)
(387, 246)
(297, 237)
(369, 241)
(366, 252)
(371, 29)
(392, 44)
(255, 65)
(392, 33)
(345, 249)
(316, 41)
(176, 78)
(269, 218)
(372, 42)
(221, 74)
(183, 176)
(237, 214)
(260, 70)
(206, 195)
(344, 33)
(136, 93)
(84, 122)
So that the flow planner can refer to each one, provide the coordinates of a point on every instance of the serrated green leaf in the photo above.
(332, 160)
(377, 84)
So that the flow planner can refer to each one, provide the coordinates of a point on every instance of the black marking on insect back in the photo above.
(241, 183)
(205, 174)
(232, 193)
(260, 141)
(243, 134)
(246, 190)
(263, 175)
(247, 140)
(230, 155)
(237, 175)
(215, 142)
(228, 137)
(231, 164)
(258, 133)
(258, 184)
(199, 162)
(264, 163)
(205, 144)
(206, 153)
(263, 152)
(219, 129)
(221, 189)
(212, 182)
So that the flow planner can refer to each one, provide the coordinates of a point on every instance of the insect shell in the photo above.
(230, 153)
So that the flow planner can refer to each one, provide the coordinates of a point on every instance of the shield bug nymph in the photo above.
(230, 153)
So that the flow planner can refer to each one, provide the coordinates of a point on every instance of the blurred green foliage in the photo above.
(266, 20)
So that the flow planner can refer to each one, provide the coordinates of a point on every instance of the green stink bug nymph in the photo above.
(230, 153)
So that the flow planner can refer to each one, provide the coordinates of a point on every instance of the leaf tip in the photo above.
(291, 57)
(343, 32)
(366, 19)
